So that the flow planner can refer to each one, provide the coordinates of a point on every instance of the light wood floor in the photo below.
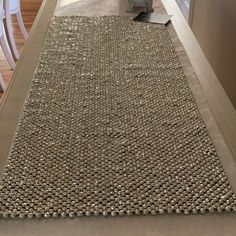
(29, 10)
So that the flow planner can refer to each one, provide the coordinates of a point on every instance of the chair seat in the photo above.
(14, 8)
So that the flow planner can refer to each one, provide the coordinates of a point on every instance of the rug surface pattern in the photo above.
(110, 127)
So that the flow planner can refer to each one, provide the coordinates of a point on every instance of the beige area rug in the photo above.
(110, 127)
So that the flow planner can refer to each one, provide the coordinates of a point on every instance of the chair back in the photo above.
(1, 17)
(1, 7)
(6, 5)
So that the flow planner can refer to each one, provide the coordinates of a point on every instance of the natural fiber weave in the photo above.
(111, 127)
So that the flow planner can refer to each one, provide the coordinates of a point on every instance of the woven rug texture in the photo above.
(110, 127)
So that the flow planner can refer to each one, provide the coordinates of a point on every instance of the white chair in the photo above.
(12, 7)
(4, 44)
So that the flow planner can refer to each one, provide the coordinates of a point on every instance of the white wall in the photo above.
(214, 25)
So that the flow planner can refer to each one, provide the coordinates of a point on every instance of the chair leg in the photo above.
(10, 36)
(6, 50)
(2, 84)
(21, 24)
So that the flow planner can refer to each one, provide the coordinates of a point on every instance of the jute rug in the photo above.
(110, 127)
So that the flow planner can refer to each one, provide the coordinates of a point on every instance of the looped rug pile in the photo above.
(110, 127)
